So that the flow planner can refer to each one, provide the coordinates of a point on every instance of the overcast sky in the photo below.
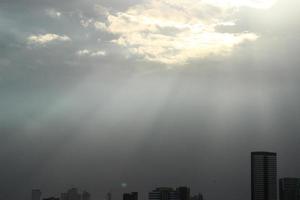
(96, 93)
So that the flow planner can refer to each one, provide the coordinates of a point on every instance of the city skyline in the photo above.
(264, 185)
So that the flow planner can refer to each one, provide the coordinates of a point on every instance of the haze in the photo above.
(98, 93)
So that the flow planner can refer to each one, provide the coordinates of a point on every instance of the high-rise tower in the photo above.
(263, 176)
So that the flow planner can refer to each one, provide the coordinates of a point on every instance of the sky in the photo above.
(98, 93)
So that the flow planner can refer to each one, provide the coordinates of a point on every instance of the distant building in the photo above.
(64, 196)
(263, 176)
(197, 197)
(183, 193)
(86, 195)
(164, 193)
(108, 196)
(71, 194)
(289, 189)
(36, 194)
(130, 196)
(51, 198)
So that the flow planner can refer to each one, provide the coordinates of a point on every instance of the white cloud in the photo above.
(47, 38)
(259, 4)
(98, 53)
(86, 22)
(175, 31)
(90, 53)
(83, 52)
(100, 25)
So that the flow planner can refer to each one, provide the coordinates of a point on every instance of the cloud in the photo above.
(100, 26)
(87, 22)
(90, 53)
(259, 4)
(176, 31)
(101, 10)
(47, 38)
(53, 13)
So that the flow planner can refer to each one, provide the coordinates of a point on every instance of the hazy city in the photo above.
(263, 185)
(149, 100)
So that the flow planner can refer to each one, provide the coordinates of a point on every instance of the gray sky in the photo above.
(94, 93)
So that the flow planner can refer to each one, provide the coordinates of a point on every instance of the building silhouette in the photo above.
(73, 194)
(289, 189)
(51, 198)
(197, 197)
(64, 196)
(164, 193)
(263, 176)
(130, 196)
(36, 194)
(183, 193)
(86, 195)
(108, 196)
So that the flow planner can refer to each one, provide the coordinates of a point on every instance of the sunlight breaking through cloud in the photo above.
(259, 4)
(176, 31)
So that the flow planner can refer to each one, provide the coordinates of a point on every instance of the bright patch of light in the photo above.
(176, 31)
(260, 4)
(86, 52)
(53, 13)
(46, 38)
(100, 25)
